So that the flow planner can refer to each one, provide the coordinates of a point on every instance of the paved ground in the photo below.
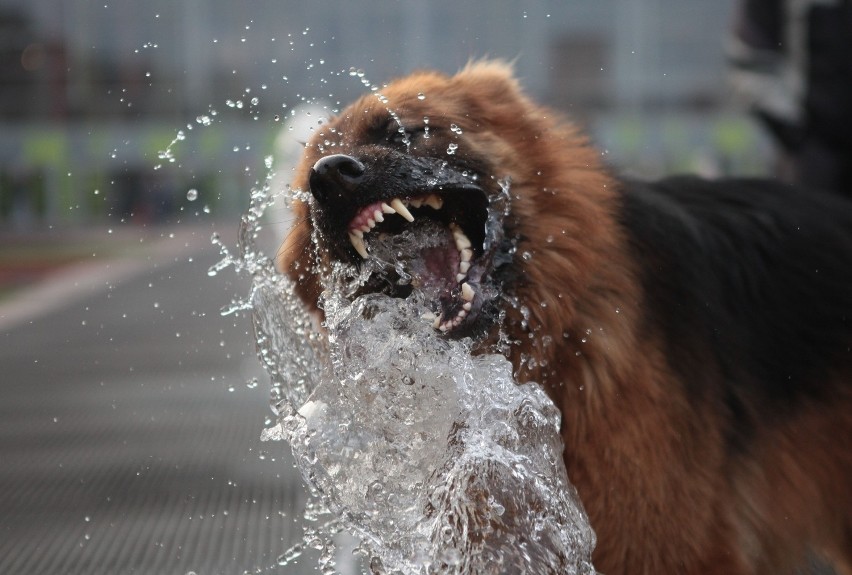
(128, 426)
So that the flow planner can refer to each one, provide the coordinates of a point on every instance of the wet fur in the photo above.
(695, 335)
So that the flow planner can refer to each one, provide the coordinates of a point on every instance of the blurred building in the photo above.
(92, 94)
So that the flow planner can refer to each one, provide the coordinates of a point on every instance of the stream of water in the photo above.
(436, 460)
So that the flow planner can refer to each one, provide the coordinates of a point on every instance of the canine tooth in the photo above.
(358, 244)
(461, 314)
(371, 223)
(377, 215)
(461, 239)
(467, 292)
(434, 202)
(460, 277)
(437, 323)
(400, 208)
(464, 267)
(365, 228)
(445, 326)
(467, 306)
(416, 202)
(387, 209)
(466, 254)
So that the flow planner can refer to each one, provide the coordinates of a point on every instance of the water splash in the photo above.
(437, 460)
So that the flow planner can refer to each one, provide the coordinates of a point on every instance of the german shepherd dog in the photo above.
(696, 335)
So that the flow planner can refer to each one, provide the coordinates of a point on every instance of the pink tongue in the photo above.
(441, 263)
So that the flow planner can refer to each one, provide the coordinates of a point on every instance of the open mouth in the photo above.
(433, 241)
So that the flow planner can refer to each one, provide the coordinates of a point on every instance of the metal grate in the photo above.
(122, 449)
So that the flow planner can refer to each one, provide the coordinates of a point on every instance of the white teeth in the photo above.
(462, 243)
(434, 202)
(358, 243)
(467, 292)
(445, 326)
(400, 208)
(460, 238)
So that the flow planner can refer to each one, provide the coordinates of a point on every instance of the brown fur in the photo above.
(663, 493)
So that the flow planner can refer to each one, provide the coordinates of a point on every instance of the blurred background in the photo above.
(94, 91)
(130, 407)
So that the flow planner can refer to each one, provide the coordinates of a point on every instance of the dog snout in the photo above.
(335, 178)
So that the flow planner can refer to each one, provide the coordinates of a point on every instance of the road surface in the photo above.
(130, 424)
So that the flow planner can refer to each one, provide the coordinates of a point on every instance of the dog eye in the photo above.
(408, 135)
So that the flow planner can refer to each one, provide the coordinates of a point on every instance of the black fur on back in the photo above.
(750, 283)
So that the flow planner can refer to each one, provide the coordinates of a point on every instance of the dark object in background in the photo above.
(792, 65)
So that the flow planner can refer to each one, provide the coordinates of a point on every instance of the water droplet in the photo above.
(192, 194)
(291, 554)
(421, 96)
(451, 149)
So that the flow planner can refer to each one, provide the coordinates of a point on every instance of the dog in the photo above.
(696, 335)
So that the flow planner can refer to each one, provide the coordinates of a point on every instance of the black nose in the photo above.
(335, 177)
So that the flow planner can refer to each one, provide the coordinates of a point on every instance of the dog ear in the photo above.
(491, 95)
(491, 78)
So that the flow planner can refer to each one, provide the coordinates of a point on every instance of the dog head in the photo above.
(503, 198)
